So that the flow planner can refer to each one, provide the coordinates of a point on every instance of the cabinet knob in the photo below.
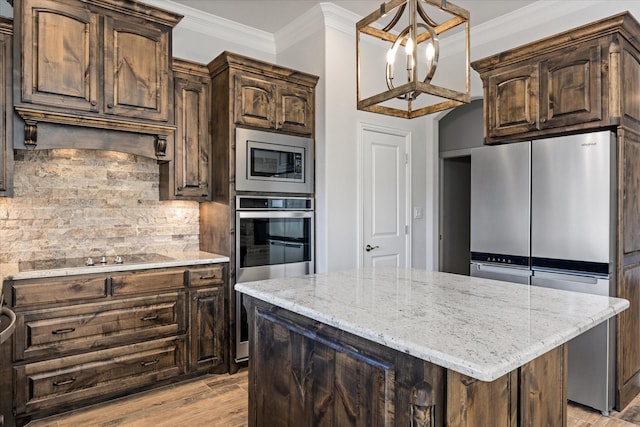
(94, 102)
(109, 105)
(543, 120)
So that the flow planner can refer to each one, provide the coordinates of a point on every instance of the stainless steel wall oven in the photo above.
(274, 238)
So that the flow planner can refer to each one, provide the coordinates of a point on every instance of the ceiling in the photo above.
(272, 15)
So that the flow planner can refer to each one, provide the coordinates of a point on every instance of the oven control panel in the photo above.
(274, 203)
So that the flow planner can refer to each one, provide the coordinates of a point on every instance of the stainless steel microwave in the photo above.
(273, 163)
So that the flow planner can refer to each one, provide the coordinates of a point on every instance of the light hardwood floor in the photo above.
(221, 400)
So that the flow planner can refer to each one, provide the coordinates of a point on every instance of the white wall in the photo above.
(341, 127)
(188, 44)
(5, 9)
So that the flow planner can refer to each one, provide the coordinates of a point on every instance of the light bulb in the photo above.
(391, 56)
(409, 46)
(431, 52)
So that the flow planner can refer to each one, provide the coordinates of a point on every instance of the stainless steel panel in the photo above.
(264, 272)
(506, 274)
(592, 354)
(571, 197)
(500, 199)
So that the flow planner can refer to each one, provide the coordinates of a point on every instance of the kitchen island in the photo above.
(400, 347)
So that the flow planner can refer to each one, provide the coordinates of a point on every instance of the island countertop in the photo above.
(478, 327)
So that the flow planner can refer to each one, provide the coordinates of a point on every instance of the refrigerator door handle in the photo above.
(512, 271)
(572, 282)
(564, 277)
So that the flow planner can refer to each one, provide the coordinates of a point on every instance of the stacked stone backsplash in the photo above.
(79, 203)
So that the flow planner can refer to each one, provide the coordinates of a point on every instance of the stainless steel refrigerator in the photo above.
(571, 198)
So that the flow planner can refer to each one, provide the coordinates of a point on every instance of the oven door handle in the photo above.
(274, 214)
(286, 245)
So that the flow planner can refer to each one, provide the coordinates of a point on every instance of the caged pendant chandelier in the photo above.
(419, 43)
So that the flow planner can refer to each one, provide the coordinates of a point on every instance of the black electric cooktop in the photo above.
(64, 263)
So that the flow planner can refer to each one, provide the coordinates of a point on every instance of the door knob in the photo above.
(369, 248)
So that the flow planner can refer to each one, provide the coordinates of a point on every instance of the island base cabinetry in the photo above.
(307, 373)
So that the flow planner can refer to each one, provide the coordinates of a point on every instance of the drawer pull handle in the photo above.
(153, 362)
(151, 317)
(213, 276)
(66, 382)
(63, 331)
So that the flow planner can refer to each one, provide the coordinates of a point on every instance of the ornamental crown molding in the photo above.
(524, 21)
(220, 28)
(328, 15)
(322, 15)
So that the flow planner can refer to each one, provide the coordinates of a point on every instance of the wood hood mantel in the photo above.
(93, 74)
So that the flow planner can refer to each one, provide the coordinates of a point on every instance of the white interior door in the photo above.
(385, 200)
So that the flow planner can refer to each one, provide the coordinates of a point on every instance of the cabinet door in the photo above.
(6, 114)
(191, 161)
(254, 101)
(136, 67)
(571, 87)
(512, 105)
(295, 109)
(207, 328)
(59, 61)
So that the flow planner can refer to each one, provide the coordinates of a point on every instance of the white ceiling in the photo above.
(272, 15)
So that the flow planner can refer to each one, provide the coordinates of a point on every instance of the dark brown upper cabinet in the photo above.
(97, 64)
(568, 82)
(283, 106)
(266, 95)
(188, 176)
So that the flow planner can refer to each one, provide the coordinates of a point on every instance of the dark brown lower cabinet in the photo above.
(305, 373)
(83, 339)
(64, 383)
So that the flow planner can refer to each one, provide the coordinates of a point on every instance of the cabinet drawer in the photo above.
(213, 275)
(68, 381)
(34, 292)
(43, 333)
(147, 282)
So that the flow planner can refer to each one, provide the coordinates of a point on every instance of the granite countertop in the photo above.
(57, 268)
(478, 327)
